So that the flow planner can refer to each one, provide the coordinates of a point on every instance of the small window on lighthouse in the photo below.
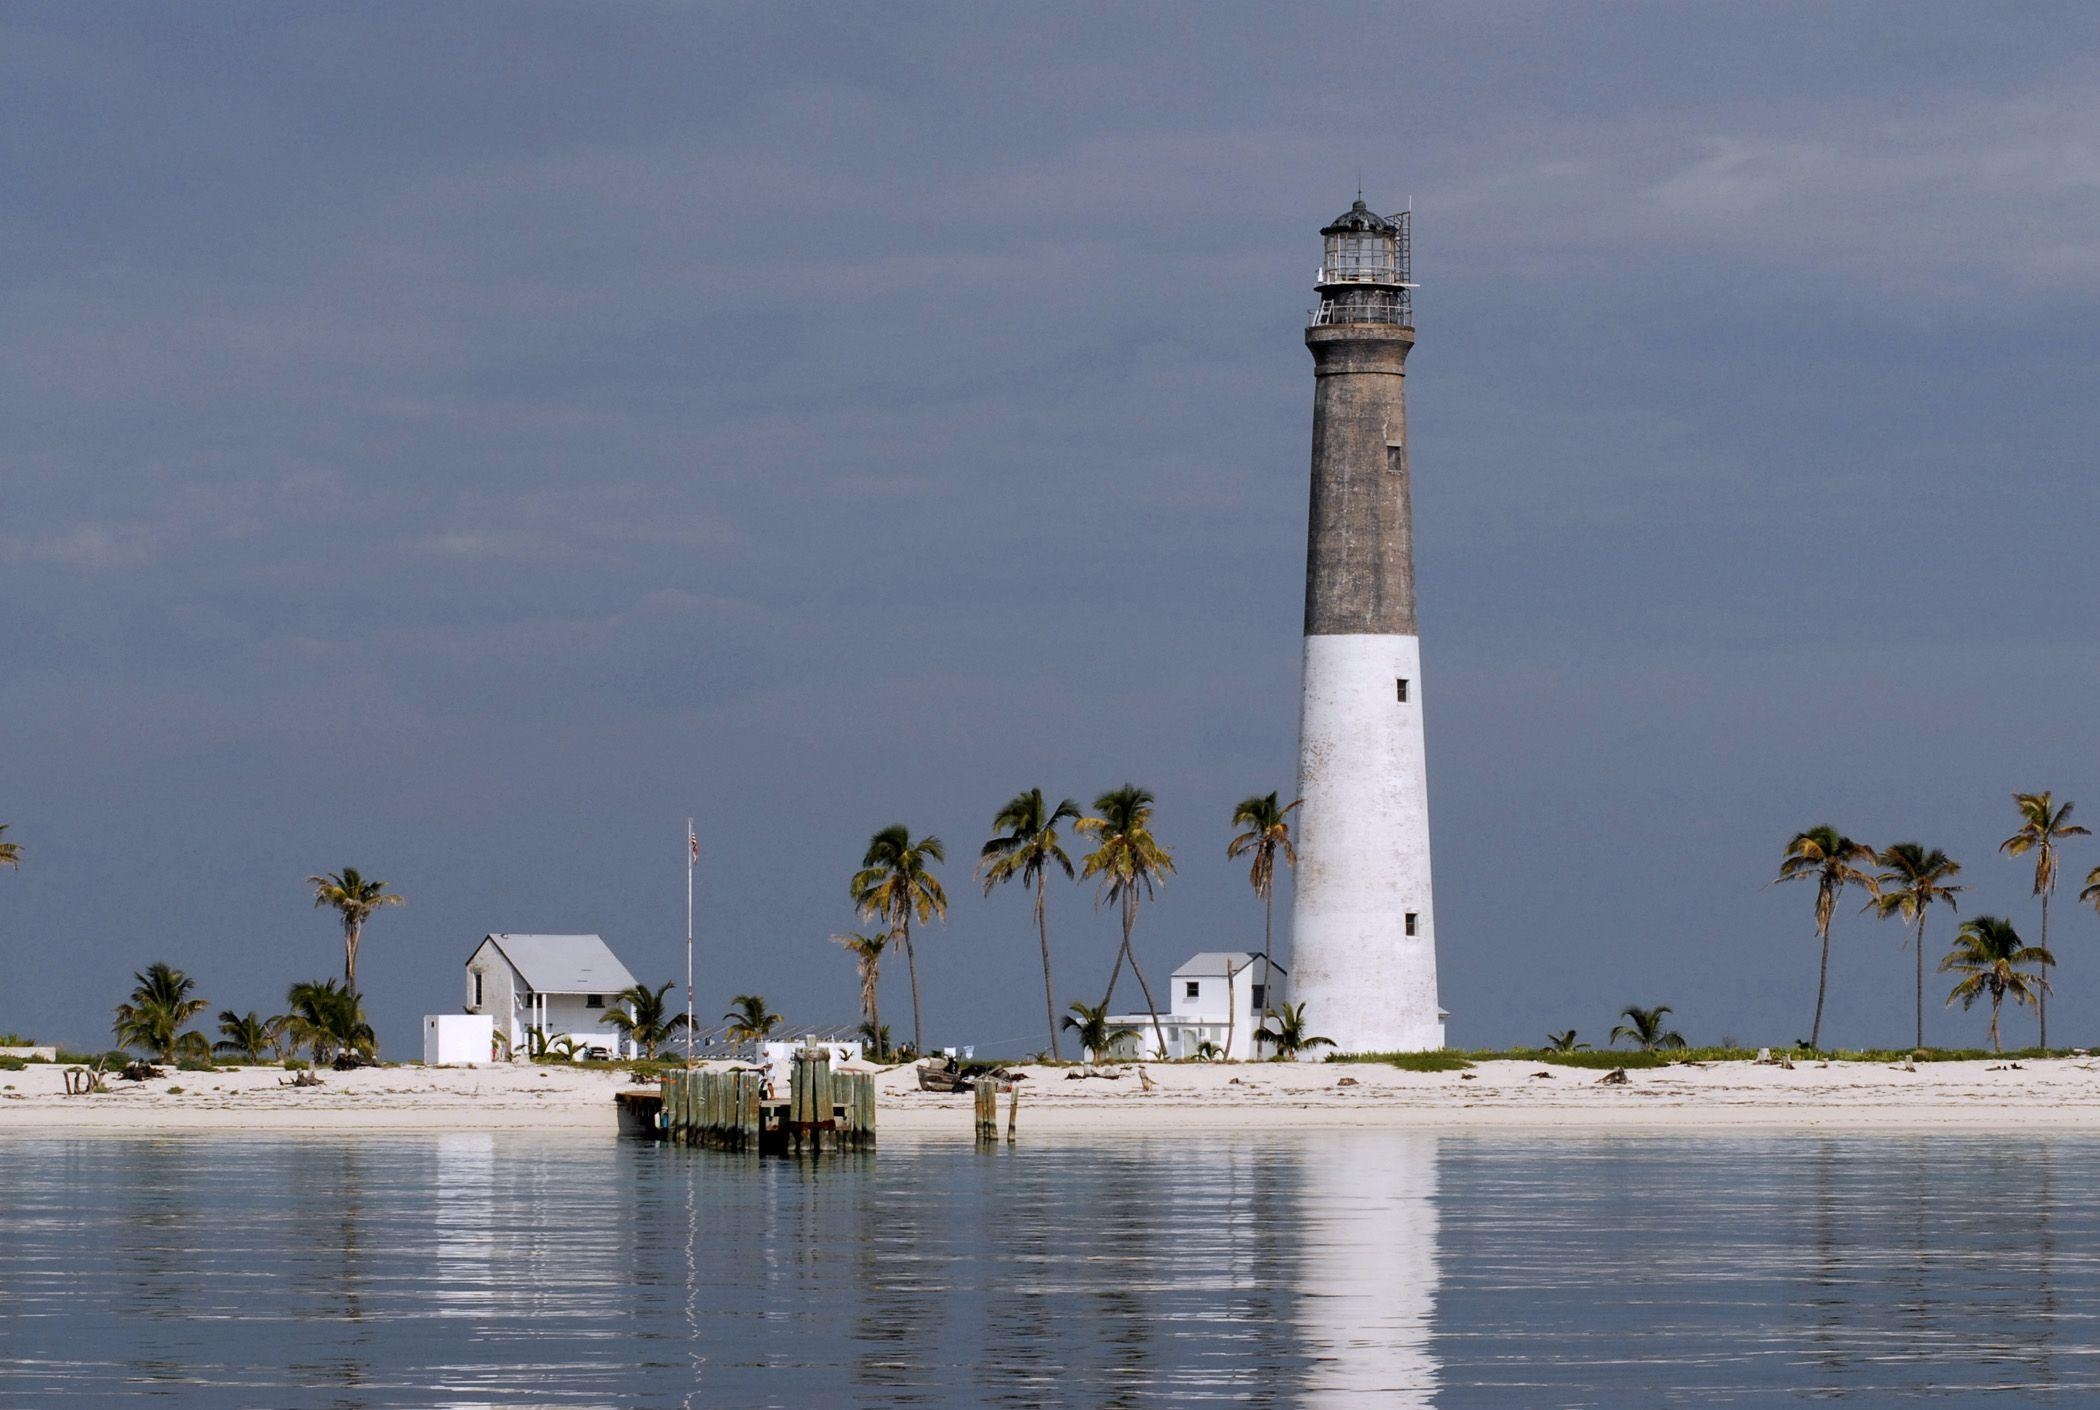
(1395, 458)
(1400, 689)
(1410, 922)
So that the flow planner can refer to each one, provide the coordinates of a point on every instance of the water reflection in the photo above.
(1366, 1224)
(1285, 1270)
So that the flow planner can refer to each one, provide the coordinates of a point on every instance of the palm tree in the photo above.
(1914, 880)
(329, 1019)
(1644, 1028)
(867, 955)
(1130, 863)
(1829, 858)
(1564, 1042)
(245, 1035)
(2091, 894)
(1990, 953)
(354, 898)
(161, 1006)
(646, 1021)
(895, 883)
(750, 1021)
(10, 852)
(2042, 826)
(1267, 836)
(1026, 846)
(876, 1037)
(1285, 1032)
(1090, 1022)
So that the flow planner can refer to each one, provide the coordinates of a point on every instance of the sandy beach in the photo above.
(2058, 1093)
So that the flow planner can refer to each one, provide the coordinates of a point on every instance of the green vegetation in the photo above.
(1565, 1042)
(1287, 1032)
(2042, 826)
(13, 1064)
(1992, 957)
(354, 898)
(1267, 836)
(1090, 1022)
(1445, 1061)
(867, 951)
(329, 1021)
(895, 883)
(1829, 858)
(644, 1019)
(1024, 847)
(1131, 864)
(750, 1021)
(161, 1006)
(10, 852)
(1644, 1029)
(246, 1035)
(1913, 882)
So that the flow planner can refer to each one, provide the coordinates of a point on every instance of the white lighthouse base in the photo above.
(1363, 850)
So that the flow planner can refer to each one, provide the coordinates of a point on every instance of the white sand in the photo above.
(2056, 1094)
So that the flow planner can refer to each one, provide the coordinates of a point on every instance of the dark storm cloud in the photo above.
(462, 443)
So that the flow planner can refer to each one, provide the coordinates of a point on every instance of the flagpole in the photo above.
(692, 858)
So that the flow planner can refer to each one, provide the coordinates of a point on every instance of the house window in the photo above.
(1191, 989)
(477, 988)
(597, 1001)
(1410, 922)
(1261, 996)
(1400, 689)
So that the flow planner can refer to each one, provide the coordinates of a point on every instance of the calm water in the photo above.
(1361, 1269)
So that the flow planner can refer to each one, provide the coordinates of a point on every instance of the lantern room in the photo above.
(1366, 271)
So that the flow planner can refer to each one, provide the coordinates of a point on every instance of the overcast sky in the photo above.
(460, 442)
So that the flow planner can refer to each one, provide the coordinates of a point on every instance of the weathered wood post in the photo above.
(1013, 1111)
(987, 1093)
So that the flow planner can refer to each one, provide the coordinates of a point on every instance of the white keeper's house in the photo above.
(563, 985)
(1215, 997)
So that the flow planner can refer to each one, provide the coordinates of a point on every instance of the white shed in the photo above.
(455, 1038)
(562, 985)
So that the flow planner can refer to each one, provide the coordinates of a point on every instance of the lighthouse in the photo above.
(1363, 925)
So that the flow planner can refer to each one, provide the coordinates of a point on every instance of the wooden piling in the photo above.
(1013, 1111)
(987, 1093)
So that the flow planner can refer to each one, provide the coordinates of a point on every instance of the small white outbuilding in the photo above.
(458, 1038)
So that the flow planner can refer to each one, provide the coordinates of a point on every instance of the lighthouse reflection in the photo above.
(1367, 1278)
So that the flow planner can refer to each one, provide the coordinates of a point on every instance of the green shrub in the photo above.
(16, 1040)
(1410, 1062)
(296, 1064)
(196, 1065)
(174, 1091)
(12, 1064)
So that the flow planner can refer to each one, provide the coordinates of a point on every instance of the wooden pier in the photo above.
(824, 1111)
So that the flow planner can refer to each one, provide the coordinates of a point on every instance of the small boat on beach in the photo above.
(941, 1074)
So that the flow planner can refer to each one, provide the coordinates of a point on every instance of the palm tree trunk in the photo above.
(1815, 1030)
(1042, 930)
(1268, 940)
(2041, 995)
(1116, 972)
(1129, 920)
(350, 956)
(1921, 978)
(1996, 1046)
(911, 964)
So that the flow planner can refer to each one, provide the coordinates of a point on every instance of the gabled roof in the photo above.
(1214, 962)
(562, 964)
